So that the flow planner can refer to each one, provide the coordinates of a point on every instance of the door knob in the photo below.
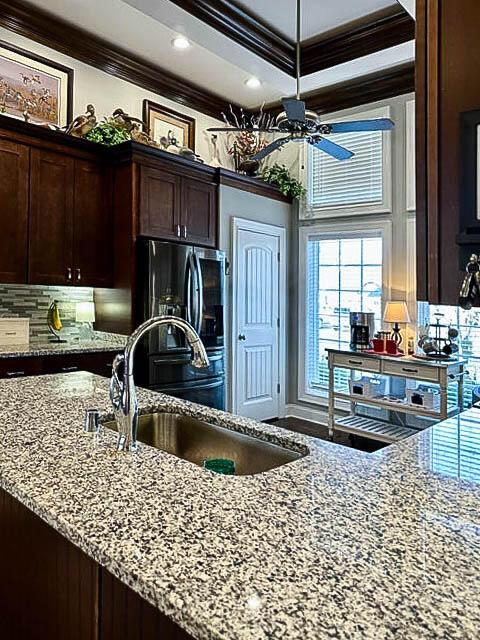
(242, 336)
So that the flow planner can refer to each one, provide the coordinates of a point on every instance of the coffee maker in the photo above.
(362, 330)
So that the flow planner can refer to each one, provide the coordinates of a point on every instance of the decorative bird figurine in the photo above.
(142, 136)
(81, 125)
(129, 122)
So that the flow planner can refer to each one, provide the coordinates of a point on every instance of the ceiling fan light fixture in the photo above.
(181, 43)
(253, 82)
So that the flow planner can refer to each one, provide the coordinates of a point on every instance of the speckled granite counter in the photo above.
(339, 544)
(109, 342)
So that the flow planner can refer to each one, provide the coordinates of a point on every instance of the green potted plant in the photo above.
(279, 175)
(108, 132)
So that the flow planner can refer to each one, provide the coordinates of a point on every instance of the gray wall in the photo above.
(235, 203)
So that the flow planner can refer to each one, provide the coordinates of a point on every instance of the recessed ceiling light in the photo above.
(253, 83)
(181, 42)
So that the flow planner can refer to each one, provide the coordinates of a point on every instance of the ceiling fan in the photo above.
(301, 124)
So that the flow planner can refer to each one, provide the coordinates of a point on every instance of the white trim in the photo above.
(243, 224)
(310, 212)
(324, 229)
(410, 155)
(316, 416)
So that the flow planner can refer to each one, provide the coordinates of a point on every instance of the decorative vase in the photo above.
(248, 166)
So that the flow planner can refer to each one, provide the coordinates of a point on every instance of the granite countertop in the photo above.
(106, 342)
(339, 544)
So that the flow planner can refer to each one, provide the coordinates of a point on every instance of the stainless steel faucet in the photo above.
(122, 386)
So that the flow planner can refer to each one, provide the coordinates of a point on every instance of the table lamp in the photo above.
(85, 314)
(396, 313)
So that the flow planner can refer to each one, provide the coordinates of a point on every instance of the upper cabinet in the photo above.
(447, 87)
(177, 207)
(51, 223)
(14, 181)
(70, 239)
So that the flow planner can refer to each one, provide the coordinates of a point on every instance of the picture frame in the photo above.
(159, 120)
(32, 85)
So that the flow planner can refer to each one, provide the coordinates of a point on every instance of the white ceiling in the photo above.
(318, 16)
(147, 27)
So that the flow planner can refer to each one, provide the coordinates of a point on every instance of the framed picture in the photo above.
(34, 87)
(160, 121)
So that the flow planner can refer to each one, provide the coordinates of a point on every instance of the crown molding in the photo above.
(38, 25)
(229, 18)
(372, 87)
(373, 33)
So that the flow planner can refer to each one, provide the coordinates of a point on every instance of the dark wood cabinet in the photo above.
(447, 60)
(71, 235)
(199, 212)
(160, 208)
(99, 362)
(51, 223)
(14, 173)
(92, 225)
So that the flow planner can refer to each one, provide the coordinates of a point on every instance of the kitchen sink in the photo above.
(196, 441)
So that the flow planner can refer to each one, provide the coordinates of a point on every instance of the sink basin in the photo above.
(195, 441)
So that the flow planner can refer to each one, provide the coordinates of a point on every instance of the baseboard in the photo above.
(317, 416)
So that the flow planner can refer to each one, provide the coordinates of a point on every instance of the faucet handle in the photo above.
(116, 385)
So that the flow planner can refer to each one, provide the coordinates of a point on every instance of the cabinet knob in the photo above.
(69, 273)
(242, 337)
(79, 275)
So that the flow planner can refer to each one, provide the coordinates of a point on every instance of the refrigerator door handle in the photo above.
(198, 272)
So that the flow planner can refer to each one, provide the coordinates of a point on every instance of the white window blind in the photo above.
(358, 181)
(344, 273)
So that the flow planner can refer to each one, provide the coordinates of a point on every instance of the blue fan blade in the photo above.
(377, 124)
(295, 109)
(273, 146)
(333, 149)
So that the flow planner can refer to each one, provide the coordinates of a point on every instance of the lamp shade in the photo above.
(85, 312)
(396, 312)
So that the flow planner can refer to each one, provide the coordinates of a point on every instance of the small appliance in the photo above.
(362, 330)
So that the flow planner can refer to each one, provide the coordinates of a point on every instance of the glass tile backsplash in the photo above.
(32, 301)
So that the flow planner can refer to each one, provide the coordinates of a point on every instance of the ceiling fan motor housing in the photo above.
(309, 125)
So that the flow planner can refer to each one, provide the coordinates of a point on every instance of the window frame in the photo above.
(385, 207)
(325, 230)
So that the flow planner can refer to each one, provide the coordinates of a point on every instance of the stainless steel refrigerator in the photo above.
(185, 281)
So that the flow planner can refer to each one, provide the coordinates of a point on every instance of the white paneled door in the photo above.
(257, 311)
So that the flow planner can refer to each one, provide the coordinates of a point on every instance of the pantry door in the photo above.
(258, 323)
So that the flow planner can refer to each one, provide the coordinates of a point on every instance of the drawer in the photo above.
(20, 367)
(411, 370)
(354, 361)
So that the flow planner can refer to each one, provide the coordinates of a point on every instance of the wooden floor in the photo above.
(320, 431)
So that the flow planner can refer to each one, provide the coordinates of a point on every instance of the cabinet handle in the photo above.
(69, 273)
(184, 230)
(242, 337)
(179, 231)
(15, 374)
(79, 275)
(67, 369)
(357, 362)
(408, 370)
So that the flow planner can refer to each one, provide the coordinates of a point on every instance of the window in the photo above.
(343, 273)
(360, 184)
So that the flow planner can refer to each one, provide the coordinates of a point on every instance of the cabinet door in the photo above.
(199, 212)
(159, 204)
(51, 218)
(92, 226)
(14, 169)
